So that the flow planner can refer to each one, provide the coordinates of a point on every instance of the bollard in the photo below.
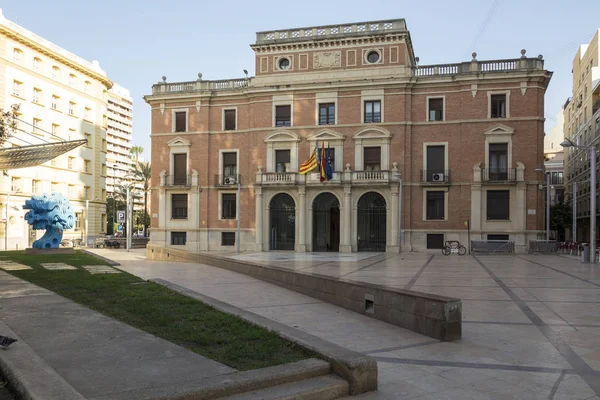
(586, 253)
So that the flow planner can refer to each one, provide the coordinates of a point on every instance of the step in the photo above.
(320, 388)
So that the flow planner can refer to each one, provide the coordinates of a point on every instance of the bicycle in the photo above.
(453, 247)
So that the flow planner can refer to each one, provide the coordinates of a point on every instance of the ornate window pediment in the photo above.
(178, 142)
(372, 133)
(326, 135)
(282, 137)
(500, 130)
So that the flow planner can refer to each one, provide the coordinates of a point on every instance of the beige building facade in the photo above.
(582, 126)
(60, 97)
(418, 152)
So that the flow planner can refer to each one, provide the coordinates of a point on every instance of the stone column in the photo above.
(301, 246)
(346, 225)
(259, 218)
(392, 241)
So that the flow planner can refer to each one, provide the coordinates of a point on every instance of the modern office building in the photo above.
(582, 126)
(118, 137)
(416, 153)
(60, 97)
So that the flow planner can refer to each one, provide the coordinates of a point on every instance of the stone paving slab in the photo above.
(101, 269)
(8, 265)
(57, 266)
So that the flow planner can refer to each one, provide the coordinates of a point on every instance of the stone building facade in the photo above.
(419, 152)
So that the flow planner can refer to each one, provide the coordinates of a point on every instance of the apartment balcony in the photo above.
(435, 176)
(278, 178)
(371, 177)
(227, 180)
(176, 180)
(496, 175)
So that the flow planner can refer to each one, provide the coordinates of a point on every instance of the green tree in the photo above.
(561, 217)
(141, 173)
(8, 123)
(136, 151)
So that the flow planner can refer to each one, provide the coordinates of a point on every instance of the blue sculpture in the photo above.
(53, 213)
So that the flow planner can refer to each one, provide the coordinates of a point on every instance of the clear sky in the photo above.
(138, 41)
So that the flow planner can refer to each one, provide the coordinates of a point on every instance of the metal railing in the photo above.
(435, 175)
(227, 180)
(492, 246)
(498, 175)
(543, 246)
(177, 180)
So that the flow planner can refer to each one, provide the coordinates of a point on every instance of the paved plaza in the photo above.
(531, 324)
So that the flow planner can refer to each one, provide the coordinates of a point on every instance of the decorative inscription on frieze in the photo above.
(329, 59)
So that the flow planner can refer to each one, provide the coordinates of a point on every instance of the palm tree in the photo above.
(141, 173)
(136, 151)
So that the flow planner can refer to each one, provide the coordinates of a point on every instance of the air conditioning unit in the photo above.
(230, 180)
(438, 177)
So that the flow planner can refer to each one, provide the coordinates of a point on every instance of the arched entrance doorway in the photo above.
(326, 223)
(371, 222)
(282, 211)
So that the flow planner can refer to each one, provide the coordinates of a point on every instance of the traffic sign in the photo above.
(120, 228)
(120, 216)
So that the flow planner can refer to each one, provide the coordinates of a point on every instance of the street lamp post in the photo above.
(547, 201)
(574, 233)
(592, 154)
(399, 176)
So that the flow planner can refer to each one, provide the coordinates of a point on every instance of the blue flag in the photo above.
(329, 166)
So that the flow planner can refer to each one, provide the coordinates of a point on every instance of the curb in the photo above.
(29, 375)
(108, 260)
(358, 369)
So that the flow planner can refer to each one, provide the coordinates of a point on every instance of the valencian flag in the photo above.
(329, 167)
(311, 163)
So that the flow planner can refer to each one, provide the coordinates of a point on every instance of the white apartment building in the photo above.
(61, 97)
(118, 137)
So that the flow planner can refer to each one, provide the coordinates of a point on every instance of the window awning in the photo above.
(33, 155)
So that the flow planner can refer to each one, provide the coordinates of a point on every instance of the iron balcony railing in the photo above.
(227, 180)
(499, 175)
(177, 180)
(440, 176)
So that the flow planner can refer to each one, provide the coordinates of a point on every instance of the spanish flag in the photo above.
(310, 164)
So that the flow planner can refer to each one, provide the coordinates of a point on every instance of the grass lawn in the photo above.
(160, 311)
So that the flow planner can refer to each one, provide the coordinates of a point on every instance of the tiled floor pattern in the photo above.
(101, 269)
(531, 324)
(57, 266)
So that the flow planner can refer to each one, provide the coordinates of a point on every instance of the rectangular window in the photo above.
(17, 88)
(78, 219)
(86, 166)
(87, 113)
(53, 162)
(327, 114)
(55, 129)
(103, 223)
(497, 237)
(87, 191)
(17, 55)
(178, 238)
(55, 73)
(54, 187)
(435, 240)
(373, 111)
(435, 205)
(55, 100)
(72, 80)
(229, 116)
(498, 204)
(436, 109)
(498, 157)
(227, 238)
(228, 206)
(180, 121)
(15, 184)
(283, 115)
(71, 108)
(179, 206)
(35, 186)
(87, 88)
(71, 163)
(282, 161)
(372, 158)
(498, 106)
(435, 164)
(180, 169)
(229, 165)
(37, 124)
(37, 64)
(37, 95)
(88, 137)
